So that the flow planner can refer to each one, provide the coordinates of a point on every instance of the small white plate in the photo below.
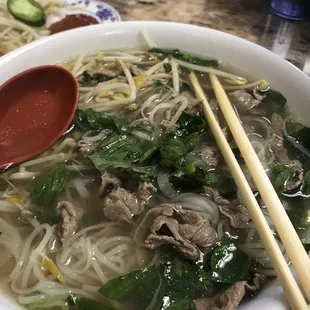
(102, 11)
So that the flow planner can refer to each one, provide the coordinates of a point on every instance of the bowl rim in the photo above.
(160, 25)
(139, 24)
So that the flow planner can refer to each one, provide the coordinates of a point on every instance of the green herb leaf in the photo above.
(281, 174)
(89, 119)
(158, 83)
(274, 102)
(228, 264)
(179, 282)
(141, 289)
(87, 79)
(89, 304)
(187, 57)
(122, 151)
(73, 299)
(186, 280)
(299, 132)
(192, 123)
(49, 304)
(167, 67)
(172, 150)
(305, 187)
(46, 192)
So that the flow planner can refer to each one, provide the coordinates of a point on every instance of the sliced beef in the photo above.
(121, 205)
(194, 105)
(135, 70)
(70, 223)
(111, 70)
(215, 196)
(281, 153)
(228, 300)
(170, 224)
(244, 102)
(145, 191)
(210, 155)
(237, 213)
(108, 182)
(256, 283)
(71, 217)
(277, 140)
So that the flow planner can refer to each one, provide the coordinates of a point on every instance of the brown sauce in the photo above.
(72, 21)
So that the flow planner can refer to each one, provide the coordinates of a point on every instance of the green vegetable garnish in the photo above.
(124, 151)
(305, 187)
(88, 304)
(46, 192)
(176, 53)
(177, 284)
(29, 12)
(142, 289)
(49, 304)
(167, 67)
(89, 119)
(299, 132)
(274, 102)
(96, 78)
(281, 174)
(228, 264)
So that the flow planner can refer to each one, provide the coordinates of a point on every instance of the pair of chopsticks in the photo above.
(284, 227)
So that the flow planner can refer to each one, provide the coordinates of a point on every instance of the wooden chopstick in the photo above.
(289, 284)
(284, 226)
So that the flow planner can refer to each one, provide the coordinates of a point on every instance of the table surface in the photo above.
(248, 19)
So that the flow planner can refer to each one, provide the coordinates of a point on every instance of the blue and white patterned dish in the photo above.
(102, 11)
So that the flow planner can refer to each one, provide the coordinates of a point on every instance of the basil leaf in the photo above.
(45, 192)
(89, 119)
(140, 289)
(187, 57)
(228, 264)
(88, 304)
(274, 102)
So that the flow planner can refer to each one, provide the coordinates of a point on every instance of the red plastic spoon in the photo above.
(36, 107)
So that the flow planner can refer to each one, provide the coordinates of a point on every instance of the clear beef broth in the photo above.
(134, 208)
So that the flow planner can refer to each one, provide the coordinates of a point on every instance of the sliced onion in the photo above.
(164, 185)
(200, 204)
(141, 135)
(261, 121)
(88, 136)
(259, 148)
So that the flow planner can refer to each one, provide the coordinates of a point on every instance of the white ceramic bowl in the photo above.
(248, 56)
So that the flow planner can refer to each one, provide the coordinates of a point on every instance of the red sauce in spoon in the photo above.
(73, 21)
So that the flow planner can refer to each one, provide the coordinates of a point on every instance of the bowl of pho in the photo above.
(134, 207)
